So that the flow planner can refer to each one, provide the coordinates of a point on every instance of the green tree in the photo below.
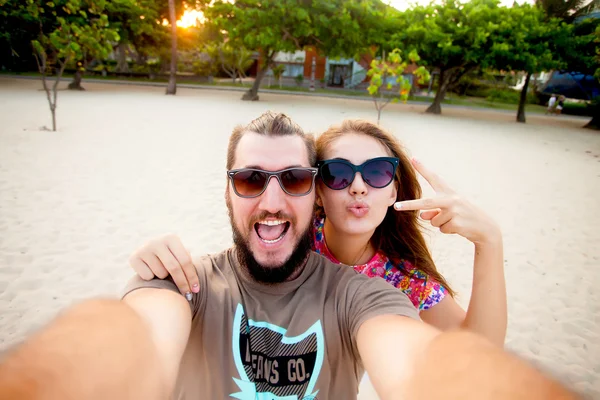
(451, 37)
(336, 27)
(228, 61)
(278, 71)
(244, 61)
(583, 58)
(136, 22)
(567, 10)
(580, 53)
(525, 41)
(17, 29)
(207, 61)
(68, 30)
(383, 71)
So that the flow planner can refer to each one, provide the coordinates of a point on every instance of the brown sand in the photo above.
(129, 163)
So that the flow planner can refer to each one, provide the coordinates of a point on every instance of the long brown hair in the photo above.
(400, 235)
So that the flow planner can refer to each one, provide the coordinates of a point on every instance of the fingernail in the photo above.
(416, 161)
(189, 296)
(397, 206)
(195, 288)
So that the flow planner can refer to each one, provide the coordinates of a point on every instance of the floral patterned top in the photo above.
(422, 291)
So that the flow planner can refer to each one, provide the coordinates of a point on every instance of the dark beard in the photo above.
(271, 275)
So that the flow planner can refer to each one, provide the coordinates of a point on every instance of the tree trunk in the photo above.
(595, 122)
(523, 99)
(53, 112)
(436, 106)
(122, 65)
(252, 93)
(76, 84)
(172, 86)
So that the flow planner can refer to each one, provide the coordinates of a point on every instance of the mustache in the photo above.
(278, 215)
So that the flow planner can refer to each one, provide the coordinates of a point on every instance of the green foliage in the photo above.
(269, 26)
(278, 71)
(566, 10)
(506, 95)
(381, 71)
(524, 40)
(338, 27)
(450, 36)
(234, 60)
(582, 51)
(335, 27)
(135, 21)
(449, 33)
(581, 109)
(597, 40)
(206, 62)
(299, 79)
(70, 30)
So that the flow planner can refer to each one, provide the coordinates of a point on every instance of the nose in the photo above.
(273, 198)
(358, 186)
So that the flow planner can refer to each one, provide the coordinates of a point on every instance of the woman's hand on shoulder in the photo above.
(451, 213)
(163, 257)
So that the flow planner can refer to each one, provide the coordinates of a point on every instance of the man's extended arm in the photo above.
(426, 364)
(169, 317)
(103, 349)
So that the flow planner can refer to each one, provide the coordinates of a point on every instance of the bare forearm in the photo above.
(470, 368)
(466, 365)
(100, 349)
(487, 313)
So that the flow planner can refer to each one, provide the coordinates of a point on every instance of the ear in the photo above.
(318, 196)
(319, 201)
(393, 195)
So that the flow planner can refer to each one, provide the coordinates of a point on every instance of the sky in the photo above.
(404, 4)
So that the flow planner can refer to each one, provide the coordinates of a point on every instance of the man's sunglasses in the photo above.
(250, 182)
(377, 172)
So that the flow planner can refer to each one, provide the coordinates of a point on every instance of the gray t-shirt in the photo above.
(294, 340)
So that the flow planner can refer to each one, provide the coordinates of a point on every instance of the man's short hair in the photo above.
(271, 124)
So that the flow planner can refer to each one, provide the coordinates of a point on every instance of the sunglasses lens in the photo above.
(337, 175)
(378, 173)
(249, 182)
(297, 181)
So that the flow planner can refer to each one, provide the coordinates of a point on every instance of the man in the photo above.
(551, 105)
(272, 320)
(276, 320)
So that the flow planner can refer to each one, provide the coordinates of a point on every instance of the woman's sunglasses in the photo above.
(338, 174)
(250, 182)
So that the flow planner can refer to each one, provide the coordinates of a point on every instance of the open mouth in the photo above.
(271, 231)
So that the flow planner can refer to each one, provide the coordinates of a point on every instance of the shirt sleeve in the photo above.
(198, 299)
(433, 293)
(373, 297)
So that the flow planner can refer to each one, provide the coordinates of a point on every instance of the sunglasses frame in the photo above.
(358, 168)
(270, 174)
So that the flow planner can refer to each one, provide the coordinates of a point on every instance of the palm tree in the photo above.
(172, 86)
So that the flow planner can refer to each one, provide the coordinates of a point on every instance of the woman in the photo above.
(366, 217)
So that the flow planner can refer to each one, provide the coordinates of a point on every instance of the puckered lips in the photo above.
(358, 208)
(271, 231)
